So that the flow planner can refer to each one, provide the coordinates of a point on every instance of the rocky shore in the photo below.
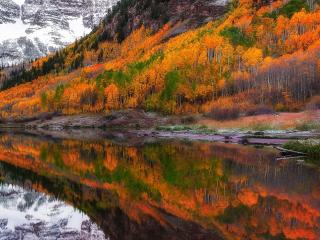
(132, 124)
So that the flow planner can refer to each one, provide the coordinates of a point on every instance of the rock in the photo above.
(9, 11)
(30, 236)
(153, 14)
(3, 224)
(260, 133)
(86, 226)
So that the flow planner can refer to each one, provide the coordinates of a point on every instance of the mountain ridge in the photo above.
(31, 29)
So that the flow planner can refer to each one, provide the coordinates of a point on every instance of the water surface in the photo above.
(154, 189)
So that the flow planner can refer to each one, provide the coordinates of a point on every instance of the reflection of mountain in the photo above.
(103, 208)
(28, 214)
(130, 190)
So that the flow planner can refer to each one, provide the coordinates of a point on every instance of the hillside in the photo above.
(125, 17)
(258, 56)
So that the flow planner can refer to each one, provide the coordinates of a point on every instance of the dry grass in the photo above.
(267, 121)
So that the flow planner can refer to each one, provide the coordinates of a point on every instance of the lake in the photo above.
(116, 187)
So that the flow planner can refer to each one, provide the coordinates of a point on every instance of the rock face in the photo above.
(130, 15)
(30, 215)
(32, 28)
(8, 11)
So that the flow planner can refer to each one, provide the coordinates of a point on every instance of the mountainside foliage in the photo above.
(257, 54)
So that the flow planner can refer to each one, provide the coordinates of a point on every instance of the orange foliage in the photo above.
(206, 65)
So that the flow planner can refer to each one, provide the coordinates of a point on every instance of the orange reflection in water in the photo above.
(239, 191)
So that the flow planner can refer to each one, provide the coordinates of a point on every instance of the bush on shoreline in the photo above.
(309, 147)
(259, 110)
(224, 113)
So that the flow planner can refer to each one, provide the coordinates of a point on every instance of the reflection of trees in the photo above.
(102, 206)
(210, 183)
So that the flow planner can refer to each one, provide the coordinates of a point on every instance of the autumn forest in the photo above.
(259, 53)
(171, 119)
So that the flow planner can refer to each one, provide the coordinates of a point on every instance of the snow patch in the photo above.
(13, 30)
(77, 28)
(220, 2)
(19, 2)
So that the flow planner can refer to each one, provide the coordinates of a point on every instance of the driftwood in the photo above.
(290, 158)
(288, 151)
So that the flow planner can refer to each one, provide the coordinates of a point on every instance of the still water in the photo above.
(63, 188)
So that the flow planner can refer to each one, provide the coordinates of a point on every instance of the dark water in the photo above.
(153, 189)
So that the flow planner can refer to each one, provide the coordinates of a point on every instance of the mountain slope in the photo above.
(131, 15)
(260, 55)
(124, 18)
(30, 29)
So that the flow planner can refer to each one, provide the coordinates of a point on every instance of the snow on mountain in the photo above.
(32, 28)
(19, 2)
(28, 214)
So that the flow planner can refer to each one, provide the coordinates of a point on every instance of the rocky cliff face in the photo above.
(8, 11)
(32, 28)
(128, 16)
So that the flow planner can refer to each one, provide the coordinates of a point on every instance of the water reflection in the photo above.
(27, 214)
(171, 189)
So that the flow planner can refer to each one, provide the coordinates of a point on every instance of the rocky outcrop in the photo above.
(128, 16)
(9, 11)
(32, 28)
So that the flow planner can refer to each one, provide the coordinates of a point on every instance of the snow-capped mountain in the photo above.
(32, 28)
(32, 215)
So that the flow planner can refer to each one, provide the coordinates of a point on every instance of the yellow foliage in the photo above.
(194, 68)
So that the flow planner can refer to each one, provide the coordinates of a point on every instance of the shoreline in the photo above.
(264, 138)
(138, 124)
(124, 130)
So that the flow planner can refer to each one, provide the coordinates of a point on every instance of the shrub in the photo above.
(224, 113)
(311, 148)
(308, 126)
(314, 103)
(188, 119)
(259, 110)
(280, 107)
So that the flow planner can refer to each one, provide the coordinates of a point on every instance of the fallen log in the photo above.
(290, 158)
(288, 151)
